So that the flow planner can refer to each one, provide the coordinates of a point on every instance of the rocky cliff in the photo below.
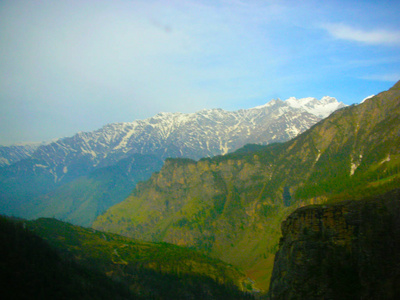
(347, 250)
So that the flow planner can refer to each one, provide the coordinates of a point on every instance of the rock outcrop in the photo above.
(347, 250)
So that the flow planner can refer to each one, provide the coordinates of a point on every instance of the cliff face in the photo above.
(348, 250)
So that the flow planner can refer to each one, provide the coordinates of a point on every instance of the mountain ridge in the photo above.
(317, 108)
(13, 153)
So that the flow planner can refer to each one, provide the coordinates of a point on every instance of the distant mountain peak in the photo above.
(320, 108)
(270, 103)
(328, 99)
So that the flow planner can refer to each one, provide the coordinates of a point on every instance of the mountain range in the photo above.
(231, 206)
(61, 178)
(181, 135)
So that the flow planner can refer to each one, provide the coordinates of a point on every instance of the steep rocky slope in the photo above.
(348, 250)
(231, 206)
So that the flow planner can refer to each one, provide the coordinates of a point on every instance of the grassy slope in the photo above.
(50, 259)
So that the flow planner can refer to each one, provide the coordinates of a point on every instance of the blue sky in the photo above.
(69, 66)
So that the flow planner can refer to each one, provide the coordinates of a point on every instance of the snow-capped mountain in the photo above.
(201, 134)
(321, 108)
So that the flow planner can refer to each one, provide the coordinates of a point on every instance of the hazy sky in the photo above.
(69, 66)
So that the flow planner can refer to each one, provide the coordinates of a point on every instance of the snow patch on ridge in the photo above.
(366, 98)
(320, 108)
(386, 159)
(125, 139)
(318, 156)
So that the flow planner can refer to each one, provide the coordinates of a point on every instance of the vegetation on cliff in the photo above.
(231, 206)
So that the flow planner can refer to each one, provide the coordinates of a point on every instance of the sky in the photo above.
(70, 66)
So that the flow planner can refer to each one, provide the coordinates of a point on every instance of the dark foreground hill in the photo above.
(49, 259)
(231, 206)
(31, 269)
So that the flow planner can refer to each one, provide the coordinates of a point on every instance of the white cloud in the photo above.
(391, 77)
(372, 37)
